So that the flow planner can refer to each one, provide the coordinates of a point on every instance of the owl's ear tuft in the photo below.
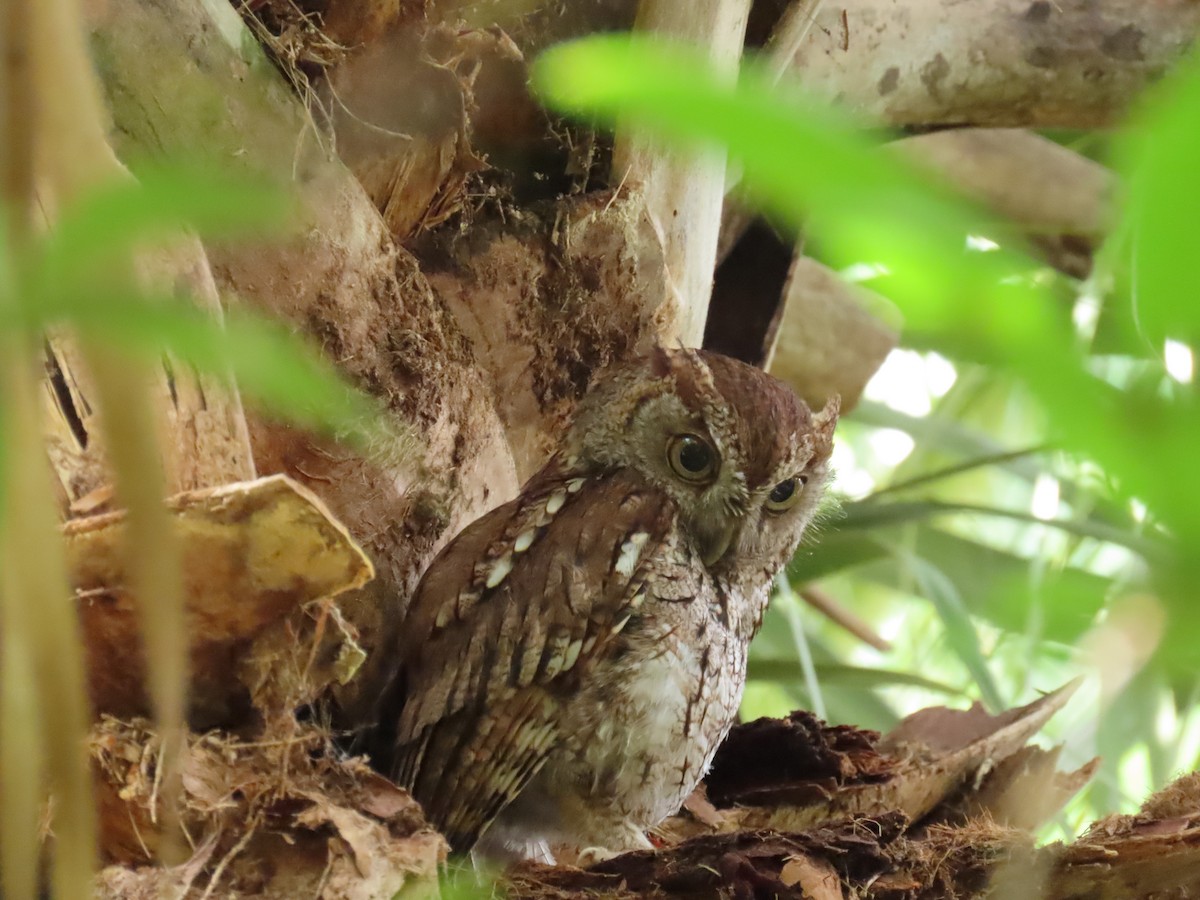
(826, 420)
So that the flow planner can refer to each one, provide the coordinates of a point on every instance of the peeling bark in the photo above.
(401, 114)
(203, 433)
(548, 298)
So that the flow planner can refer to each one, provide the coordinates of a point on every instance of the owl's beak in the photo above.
(717, 537)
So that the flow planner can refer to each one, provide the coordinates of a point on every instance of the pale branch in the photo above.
(684, 189)
(1031, 181)
(832, 335)
(1012, 63)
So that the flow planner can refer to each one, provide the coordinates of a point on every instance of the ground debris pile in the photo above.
(743, 864)
(938, 766)
(943, 807)
(285, 817)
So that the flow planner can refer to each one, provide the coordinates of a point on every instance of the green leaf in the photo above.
(866, 515)
(829, 551)
(948, 435)
(999, 587)
(970, 465)
(829, 674)
(1158, 151)
(960, 630)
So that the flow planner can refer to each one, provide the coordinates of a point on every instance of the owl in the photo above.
(569, 663)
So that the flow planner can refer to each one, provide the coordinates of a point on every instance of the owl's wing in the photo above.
(508, 620)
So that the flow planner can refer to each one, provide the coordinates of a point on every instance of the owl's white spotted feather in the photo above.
(570, 662)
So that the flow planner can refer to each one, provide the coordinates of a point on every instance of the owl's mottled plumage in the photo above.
(570, 662)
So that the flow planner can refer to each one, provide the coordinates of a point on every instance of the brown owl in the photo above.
(570, 662)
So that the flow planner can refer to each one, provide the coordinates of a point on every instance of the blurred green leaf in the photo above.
(867, 515)
(829, 674)
(996, 585)
(979, 462)
(271, 366)
(120, 217)
(1158, 150)
(944, 433)
(960, 630)
(828, 551)
(72, 283)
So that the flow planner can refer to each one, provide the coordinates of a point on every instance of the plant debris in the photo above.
(256, 815)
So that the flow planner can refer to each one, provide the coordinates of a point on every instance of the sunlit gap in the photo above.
(1177, 357)
(1044, 504)
(981, 244)
(864, 271)
(891, 446)
(1086, 314)
(909, 381)
(850, 478)
(1138, 510)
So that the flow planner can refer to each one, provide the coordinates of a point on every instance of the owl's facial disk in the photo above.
(740, 455)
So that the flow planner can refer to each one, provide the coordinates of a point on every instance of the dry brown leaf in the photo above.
(1023, 791)
(362, 835)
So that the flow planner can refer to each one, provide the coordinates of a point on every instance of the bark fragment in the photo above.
(801, 774)
(253, 554)
(832, 336)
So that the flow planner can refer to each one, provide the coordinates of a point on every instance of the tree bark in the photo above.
(337, 277)
(1011, 63)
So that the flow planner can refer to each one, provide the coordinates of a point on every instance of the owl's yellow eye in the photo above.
(785, 494)
(692, 458)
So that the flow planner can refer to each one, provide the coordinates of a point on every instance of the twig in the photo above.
(839, 615)
(237, 848)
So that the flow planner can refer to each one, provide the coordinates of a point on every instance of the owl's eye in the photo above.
(691, 457)
(785, 494)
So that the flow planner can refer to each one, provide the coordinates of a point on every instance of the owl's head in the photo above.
(742, 457)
